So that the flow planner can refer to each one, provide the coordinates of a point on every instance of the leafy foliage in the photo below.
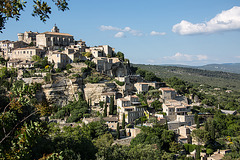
(74, 110)
(12, 9)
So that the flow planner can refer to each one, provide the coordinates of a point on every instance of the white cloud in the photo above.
(237, 56)
(127, 29)
(124, 30)
(186, 57)
(154, 33)
(225, 21)
(109, 28)
(135, 33)
(119, 35)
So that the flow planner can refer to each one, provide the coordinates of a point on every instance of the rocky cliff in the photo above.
(61, 90)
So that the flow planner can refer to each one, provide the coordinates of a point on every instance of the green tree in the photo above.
(157, 105)
(12, 9)
(120, 56)
(201, 135)
(123, 121)
(198, 150)
(118, 131)
(111, 106)
(103, 144)
(105, 110)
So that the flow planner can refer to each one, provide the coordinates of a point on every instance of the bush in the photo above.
(60, 114)
(189, 147)
(90, 64)
(68, 66)
(76, 75)
(58, 70)
(85, 69)
(209, 151)
(47, 78)
(119, 83)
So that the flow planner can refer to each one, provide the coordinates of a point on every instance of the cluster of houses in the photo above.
(60, 48)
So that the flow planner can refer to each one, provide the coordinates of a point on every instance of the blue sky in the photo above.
(149, 32)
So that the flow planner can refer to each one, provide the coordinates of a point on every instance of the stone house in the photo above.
(168, 93)
(105, 97)
(141, 87)
(173, 108)
(7, 47)
(132, 108)
(183, 134)
(59, 59)
(27, 53)
(101, 51)
(16, 63)
(156, 85)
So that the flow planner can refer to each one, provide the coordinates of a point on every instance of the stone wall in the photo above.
(33, 80)
(61, 90)
(94, 91)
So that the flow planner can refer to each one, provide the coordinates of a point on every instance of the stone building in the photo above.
(28, 37)
(6, 47)
(16, 63)
(141, 87)
(59, 59)
(27, 53)
(168, 93)
(173, 108)
(183, 133)
(54, 40)
(132, 108)
(101, 51)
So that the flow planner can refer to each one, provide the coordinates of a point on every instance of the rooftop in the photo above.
(57, 34)
(167, 89)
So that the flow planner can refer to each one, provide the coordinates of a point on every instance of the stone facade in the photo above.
(59, 59)
(131, 107)
(7, 47)
(101, 51)
(54, 40)
(141, 87)
(28, 37)
(168, 93)
(27, 53)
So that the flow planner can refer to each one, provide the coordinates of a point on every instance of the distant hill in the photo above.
(195, 75)
(225, 67)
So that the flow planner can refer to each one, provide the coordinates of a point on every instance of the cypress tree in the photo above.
(123, 121)
(118, 131)
(111, 107)
(198, 152)
(195, 117)
(212, 130)
(105, 110)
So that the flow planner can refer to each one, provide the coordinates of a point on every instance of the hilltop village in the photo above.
(71, 73)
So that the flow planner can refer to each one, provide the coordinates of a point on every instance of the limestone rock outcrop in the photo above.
(61, 90)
